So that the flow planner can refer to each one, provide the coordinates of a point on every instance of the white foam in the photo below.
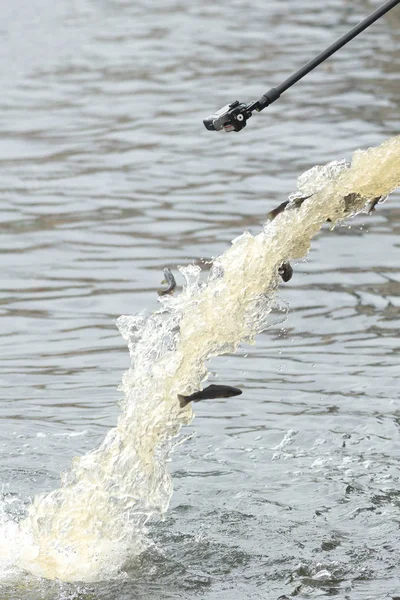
(87, 528)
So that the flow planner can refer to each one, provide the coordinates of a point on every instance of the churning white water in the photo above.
(96, 520)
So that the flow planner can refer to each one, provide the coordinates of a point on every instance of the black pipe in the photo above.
(274, 93)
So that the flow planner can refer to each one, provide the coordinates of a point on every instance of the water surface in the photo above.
(108, 176)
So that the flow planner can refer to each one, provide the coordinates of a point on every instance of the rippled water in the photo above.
(107, 177)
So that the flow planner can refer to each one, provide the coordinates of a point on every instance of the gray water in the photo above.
(108, 176)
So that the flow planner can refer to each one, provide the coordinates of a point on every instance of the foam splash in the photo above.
(96, 520)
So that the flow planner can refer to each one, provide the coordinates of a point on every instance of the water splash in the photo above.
(96, 520)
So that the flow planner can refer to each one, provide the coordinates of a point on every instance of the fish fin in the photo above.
(373, 203)
(299, 201)
(183, 401)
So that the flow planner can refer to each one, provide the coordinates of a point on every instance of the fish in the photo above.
(286, 269)
(170, 280)
(374, 202)
(277, 211)
(212, 391)
(355, 197)
(297, 202)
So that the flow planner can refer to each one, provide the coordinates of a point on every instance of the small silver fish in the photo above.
(279, 209)
(374, 202)
(212, 391)
(170, 280)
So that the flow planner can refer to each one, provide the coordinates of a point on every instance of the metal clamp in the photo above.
(232, 117)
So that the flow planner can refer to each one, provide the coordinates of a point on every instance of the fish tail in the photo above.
(183, 401)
